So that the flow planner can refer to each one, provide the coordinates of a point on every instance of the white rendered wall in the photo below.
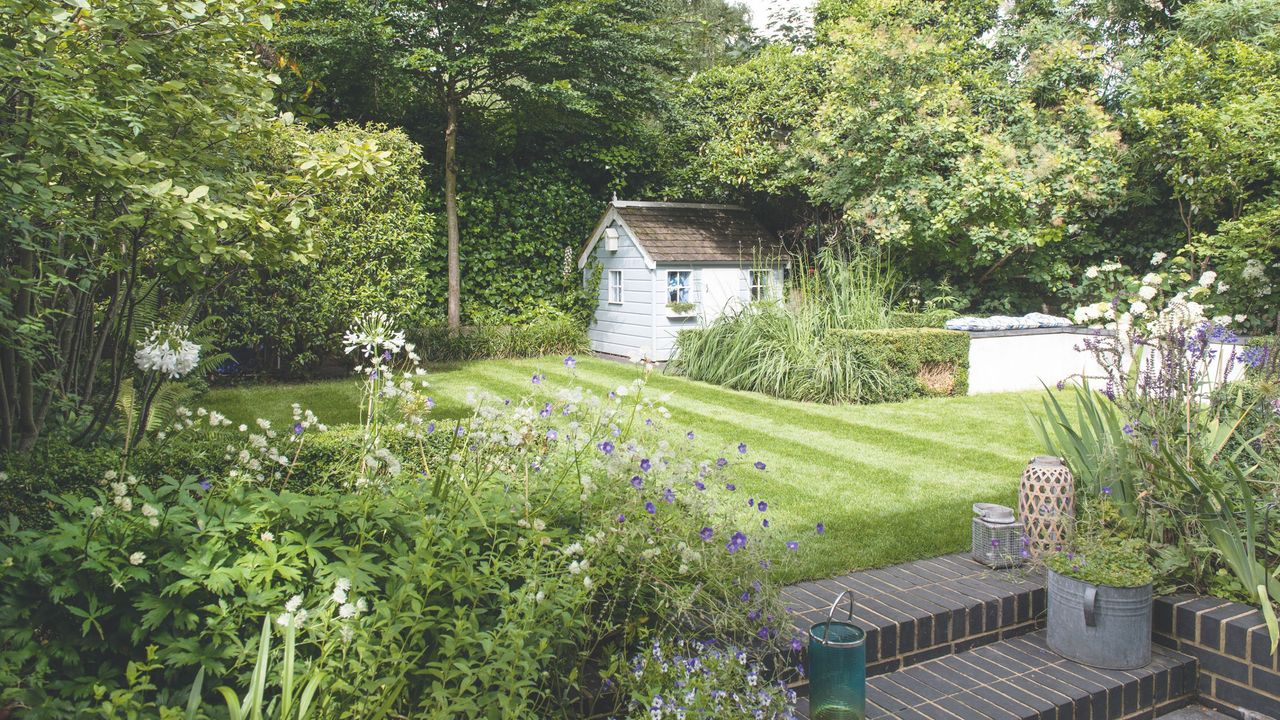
(1010, 363)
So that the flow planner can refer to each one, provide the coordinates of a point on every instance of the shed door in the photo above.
(721, 291)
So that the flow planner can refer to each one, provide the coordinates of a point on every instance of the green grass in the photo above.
(892, 482)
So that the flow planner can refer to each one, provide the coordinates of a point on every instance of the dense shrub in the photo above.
(552, 334)
(371, 246)
(52, 466)
(918, 361)
(503, 566)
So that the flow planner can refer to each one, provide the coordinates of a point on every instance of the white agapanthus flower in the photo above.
(168, 352)
(371, 335)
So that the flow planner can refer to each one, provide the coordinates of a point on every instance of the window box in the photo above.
(681, 310)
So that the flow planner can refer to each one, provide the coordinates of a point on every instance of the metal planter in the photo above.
(1099, 625)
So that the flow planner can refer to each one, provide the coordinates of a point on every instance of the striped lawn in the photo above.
(891, 482)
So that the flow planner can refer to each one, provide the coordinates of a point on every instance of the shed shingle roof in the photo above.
(681, 232)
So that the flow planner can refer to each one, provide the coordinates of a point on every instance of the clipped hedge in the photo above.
(548, 336)
(921, 362)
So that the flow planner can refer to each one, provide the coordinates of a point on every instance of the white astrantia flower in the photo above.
(293, 604)
(137, 558)
(340, 589)
(267, 536)
(347, 611)
(167, 351)
(96, 512)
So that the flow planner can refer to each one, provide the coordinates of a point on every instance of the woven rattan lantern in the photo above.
(1046, 502)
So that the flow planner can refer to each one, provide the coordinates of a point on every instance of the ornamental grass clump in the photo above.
(506, 564)
(781, 347)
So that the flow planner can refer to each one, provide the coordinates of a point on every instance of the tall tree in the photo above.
(534, 59)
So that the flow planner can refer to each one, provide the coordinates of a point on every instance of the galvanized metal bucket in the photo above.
(838, 667)
(1099, 625)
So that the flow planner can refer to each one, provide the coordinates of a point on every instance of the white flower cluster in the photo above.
(168, 351)
(295, 615)
(1139, 310)
(372, 335)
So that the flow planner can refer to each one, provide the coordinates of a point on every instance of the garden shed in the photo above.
(665, 267)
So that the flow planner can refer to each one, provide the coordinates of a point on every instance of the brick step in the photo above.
(1021, 679)
(926, 609)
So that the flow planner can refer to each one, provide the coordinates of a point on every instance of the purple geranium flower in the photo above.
(762, 506)
(730, 487)
(689, 435)
(205, 485)
(668, 496)
(431, 402)
(759, 465)
(650, 508)
(645, 465)
(552, 434)
(796, 645)
(706, 534)
(736, 542)
(637, 482)
(751, 502)
(764, 523)
(822, 529)
(570, 362)
(297, 428)
(606, 447)
(431, 427)
(622, 517)
(793, 545)
(721, 462)
(742, 448)
(699, 484)
(546, 411)
(537, 378)
(1106, 490)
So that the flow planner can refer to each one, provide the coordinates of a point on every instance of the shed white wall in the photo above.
(1009, 363)
(627, 328)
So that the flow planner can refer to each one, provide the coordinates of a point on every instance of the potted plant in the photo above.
(681, 309)
(1100, 602)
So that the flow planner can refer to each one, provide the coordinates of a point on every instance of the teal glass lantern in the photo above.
(838, 667)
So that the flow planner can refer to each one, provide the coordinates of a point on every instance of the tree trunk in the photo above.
(451, 214)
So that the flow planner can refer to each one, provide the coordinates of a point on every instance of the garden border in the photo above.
(1238, 674)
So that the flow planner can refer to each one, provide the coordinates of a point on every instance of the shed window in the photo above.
(759, 285)
(615, 287)
(678, 286)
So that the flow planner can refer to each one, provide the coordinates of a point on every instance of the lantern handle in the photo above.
(832, 615)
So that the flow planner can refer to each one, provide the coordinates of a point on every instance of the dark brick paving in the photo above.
(927, 608)
(1021, 679)
(950, 639)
